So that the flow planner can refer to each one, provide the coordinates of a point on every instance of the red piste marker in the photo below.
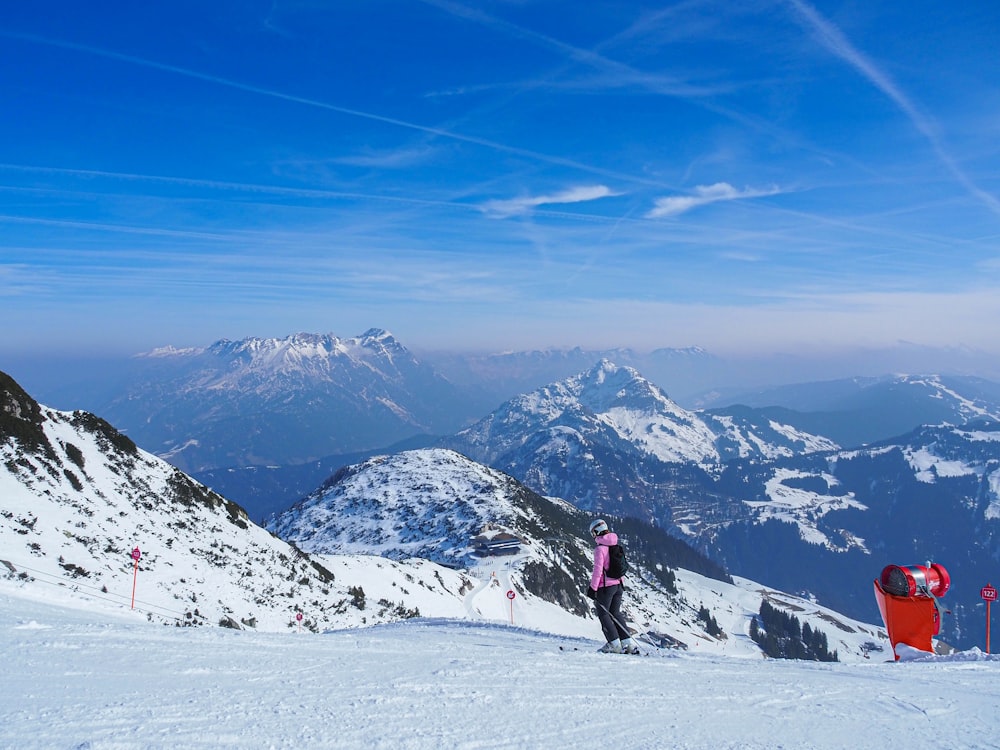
(511, 595)
(989, 594)
(136, 554)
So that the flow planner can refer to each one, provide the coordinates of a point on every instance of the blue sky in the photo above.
(753, 176)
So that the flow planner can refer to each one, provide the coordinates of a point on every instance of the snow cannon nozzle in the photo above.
(931, 580)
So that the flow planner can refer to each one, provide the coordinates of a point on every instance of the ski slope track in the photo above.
(102, 680)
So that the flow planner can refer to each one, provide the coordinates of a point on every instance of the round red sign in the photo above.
(299, 617)
(136, 554)
(988, 593)
(510, 594)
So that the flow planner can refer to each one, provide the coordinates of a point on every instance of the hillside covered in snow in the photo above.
(101, 678)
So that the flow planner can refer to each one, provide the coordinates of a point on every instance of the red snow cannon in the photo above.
(907, 599)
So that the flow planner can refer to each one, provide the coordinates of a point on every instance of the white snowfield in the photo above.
(99, 678)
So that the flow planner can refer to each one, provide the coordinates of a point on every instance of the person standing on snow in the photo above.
(607, 593)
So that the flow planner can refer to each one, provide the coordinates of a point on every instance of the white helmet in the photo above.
(598, 527)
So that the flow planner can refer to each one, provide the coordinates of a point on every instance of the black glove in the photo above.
(591, 593)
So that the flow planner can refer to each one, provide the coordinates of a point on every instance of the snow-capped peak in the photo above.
(619, 399)
(298, 351)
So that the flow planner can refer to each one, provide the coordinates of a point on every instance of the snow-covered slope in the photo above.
(77, 496)
(88, 679)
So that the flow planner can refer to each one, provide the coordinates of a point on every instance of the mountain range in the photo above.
(731, 480)
(304, 398)
(79, 496)
(856, 411)
(849, 413)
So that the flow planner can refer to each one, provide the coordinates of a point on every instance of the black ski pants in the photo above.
(608, 603)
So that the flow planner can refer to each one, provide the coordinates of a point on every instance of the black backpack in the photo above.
(617, 563)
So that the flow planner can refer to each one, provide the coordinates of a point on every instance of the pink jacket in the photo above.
(597, 578)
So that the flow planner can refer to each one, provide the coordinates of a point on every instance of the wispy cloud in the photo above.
(395, 159)
(834, 40)
(703, 195)
(518, 206)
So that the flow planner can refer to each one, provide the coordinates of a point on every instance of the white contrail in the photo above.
(838, 44)
(439, 132)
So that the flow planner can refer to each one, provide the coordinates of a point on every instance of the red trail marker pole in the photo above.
(989, 594)
(136, 554)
